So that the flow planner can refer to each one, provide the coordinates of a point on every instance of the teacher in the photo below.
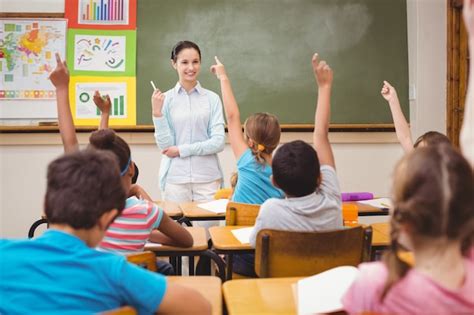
(189, 129)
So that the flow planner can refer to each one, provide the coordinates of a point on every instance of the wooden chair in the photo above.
(301, 254)
(147, 259)
(125, 310)
(241, 213)
(223, 193)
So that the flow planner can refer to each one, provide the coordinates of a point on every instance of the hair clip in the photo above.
(260, 147)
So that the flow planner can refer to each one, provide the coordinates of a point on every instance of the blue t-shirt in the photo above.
(58, 273)
(253, 182)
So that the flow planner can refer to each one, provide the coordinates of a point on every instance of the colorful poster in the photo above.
(121, 91)
(101, 14)
(95, 52)
(27, 49)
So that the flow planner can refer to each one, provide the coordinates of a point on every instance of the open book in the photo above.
(323, 292)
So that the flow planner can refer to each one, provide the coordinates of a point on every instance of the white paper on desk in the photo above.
(243, 234)
(323, 292)
(382, 203)
(216, 206)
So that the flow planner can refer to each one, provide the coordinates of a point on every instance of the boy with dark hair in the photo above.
(313, 197)
(61, 272)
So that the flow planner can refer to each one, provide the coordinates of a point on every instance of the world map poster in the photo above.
(27, 49)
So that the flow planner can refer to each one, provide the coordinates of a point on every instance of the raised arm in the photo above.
(324, 76)
(234, 125)
(60, 79)
(104, 104)
(163, 135)
(401, 126)
(467, 130)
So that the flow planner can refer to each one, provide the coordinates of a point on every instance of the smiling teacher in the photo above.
(189, 129)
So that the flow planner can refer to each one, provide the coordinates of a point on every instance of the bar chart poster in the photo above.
(122, 96)
(101, 14)
(102, 52)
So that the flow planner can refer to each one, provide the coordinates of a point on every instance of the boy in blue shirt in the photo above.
(61, 272)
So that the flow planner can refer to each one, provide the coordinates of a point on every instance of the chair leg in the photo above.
(219, 262)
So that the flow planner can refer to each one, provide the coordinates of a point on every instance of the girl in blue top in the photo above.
(189, 129)
(252, 149)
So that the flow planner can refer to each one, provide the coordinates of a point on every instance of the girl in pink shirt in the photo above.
(433, 216)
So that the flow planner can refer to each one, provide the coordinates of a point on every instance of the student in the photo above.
(467, 131)
(308, 177)
(104, 104)
(60, 272)
(401, 126)
(433, 215)
(123, 236)
(189, 129)
(252, 149)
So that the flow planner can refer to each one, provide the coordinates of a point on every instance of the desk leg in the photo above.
(191, 265)
(219, 262)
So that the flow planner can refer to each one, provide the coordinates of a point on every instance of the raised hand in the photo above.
(157, 100)
(60, 75)
(218, 69)
(102, 102)
(322, 72)
(388, 92)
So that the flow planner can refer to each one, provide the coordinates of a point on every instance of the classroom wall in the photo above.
(364, 160)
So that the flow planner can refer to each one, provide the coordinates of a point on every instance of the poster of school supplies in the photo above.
(122, 96)
(101, 14)
(27, 49)
(96, 52)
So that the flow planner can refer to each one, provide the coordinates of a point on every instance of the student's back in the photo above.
(433, 216)
(313, 197)
(58, 272)
(254, 185)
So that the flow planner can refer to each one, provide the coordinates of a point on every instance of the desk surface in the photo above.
(199, 237)
(224, 240)
(260, 296)
(209, 287)
(171, 208)
(192, 211)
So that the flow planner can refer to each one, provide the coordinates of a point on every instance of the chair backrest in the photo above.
(241, 213)
(125, 310)
(301, 254)
(147, 259)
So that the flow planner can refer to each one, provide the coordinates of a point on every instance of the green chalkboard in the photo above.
(266, 46)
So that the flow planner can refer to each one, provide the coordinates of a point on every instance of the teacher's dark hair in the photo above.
(183, 45)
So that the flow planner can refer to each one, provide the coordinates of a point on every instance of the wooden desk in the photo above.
(224, 241)
(171, 208)
(260, 296)
(191, 212)
(199, 248)
(209, 287)
(366, 210)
